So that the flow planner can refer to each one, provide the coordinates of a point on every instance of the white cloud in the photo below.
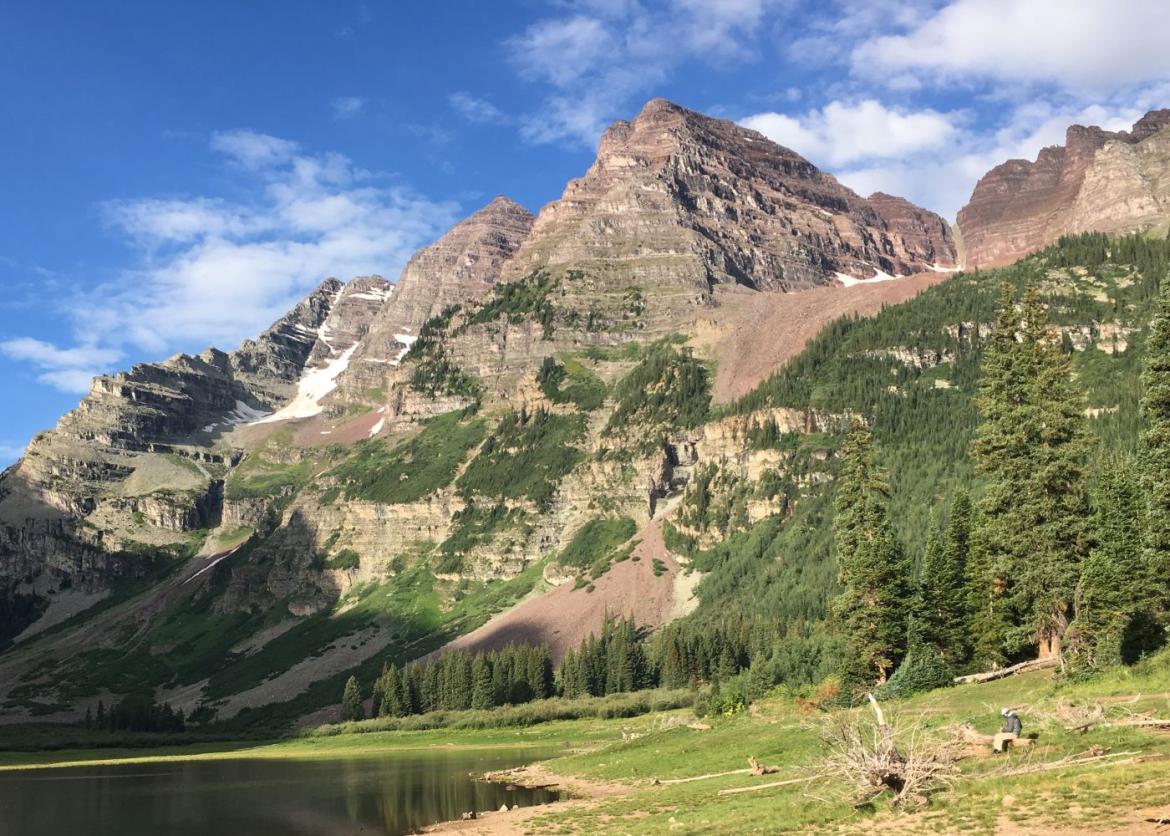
(842, 133)
(608, 53)
(474, 109)
(347, 107)
(213, 271)
(1086, 45)
(67, 369)
(562, 51)
(942, 177)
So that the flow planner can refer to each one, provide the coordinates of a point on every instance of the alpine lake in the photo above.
(386, 793)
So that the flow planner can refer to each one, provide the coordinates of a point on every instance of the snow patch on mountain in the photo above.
(878, 276)
(407, 341)
(311, 389)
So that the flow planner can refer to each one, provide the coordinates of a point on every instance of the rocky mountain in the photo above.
(1098, 181)
(677, 203)
(460, 267)
(388, 465)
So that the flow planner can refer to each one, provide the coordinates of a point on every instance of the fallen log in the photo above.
(703, 777)
(770, 785)
(758, 768)
(1021, 667)
(1095, 760)
(1144, 723)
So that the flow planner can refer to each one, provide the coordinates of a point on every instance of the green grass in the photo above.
(574, 733)
(571, 382)
(268, 472)
(413, 469)
(780, 734)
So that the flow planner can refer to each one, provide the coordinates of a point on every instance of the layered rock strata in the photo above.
(1098, 181)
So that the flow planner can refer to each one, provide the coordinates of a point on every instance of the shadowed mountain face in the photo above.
(337, 449)
(1098, 181)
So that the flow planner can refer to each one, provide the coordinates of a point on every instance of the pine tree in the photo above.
(481, 683)
(351, 701)
(1155, 455)
(1057, 504)
(942, 611)
(1028, 546)
(873, 606)
(1111, 590)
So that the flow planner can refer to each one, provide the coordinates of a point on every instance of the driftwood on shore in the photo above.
(1000, 673)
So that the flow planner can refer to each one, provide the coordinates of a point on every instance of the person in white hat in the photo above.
(1011, 730)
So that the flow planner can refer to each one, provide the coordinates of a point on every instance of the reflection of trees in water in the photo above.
(413, 793)
(395, 793)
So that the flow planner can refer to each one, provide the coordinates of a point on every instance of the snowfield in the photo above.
(313, 386)
(879, 276)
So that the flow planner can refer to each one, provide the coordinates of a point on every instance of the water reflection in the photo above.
(385, 794)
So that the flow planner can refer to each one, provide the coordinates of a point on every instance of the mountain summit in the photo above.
(680, 202)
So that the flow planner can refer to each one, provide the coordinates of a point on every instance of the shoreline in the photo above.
(279, 751)
(580, 793)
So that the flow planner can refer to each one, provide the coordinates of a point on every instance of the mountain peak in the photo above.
(677, 202)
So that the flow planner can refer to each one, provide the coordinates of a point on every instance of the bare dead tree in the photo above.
(874, 757)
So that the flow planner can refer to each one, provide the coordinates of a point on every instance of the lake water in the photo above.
(373, 794)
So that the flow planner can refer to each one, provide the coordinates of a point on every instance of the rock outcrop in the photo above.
(461, 266)
(1098, 181)
(140, 449)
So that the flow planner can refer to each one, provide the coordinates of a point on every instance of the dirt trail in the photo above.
(563, 616)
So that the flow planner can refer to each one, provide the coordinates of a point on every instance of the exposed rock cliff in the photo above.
(1098, 181)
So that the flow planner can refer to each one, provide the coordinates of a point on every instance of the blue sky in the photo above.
(177, 174)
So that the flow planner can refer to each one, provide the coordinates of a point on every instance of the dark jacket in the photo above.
(1012, 725)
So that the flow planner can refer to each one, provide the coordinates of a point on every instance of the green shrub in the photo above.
(921, 670)
(526, 456)
(613, 706)
(598, 539)
(570, 382)
(344, 559)
(415, 468)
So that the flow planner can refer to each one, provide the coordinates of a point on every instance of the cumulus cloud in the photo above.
(212, 271)
(1086, 45)
(599, 59)
(842, 133)
(347, 107)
